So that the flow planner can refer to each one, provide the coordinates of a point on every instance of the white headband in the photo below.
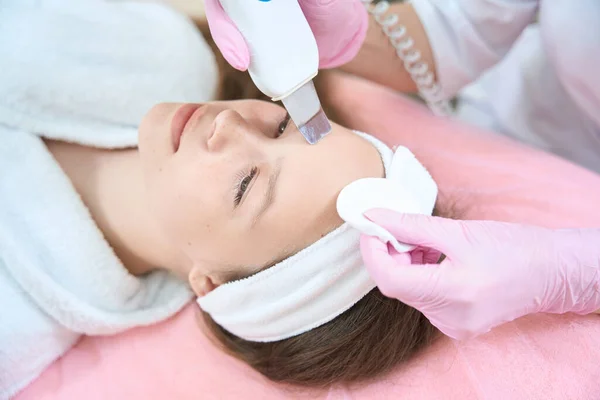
(325, 279)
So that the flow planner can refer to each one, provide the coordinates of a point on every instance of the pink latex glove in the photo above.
(339, 26)
(493, 273)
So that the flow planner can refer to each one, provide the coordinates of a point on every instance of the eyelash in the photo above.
(243, 186)
(283, 125)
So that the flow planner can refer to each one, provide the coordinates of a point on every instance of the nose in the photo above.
(229, 129)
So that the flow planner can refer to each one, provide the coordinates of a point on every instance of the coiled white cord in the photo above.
(403, 43)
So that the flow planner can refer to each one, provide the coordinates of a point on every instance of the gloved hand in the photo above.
(339, 27)
(493, 272)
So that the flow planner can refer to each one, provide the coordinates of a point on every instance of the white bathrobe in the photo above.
(84, 71)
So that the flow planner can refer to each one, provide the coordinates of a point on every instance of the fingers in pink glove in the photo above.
(340, 28)
(424, 255)
(419, 230)
(396, 276)
(374, 245)
(226, 35)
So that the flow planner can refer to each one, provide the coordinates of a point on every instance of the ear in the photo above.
(201, 283)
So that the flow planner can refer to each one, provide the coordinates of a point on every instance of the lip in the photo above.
(180, 119)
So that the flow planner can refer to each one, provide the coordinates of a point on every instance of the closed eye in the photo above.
(243, 186)
(283, 125)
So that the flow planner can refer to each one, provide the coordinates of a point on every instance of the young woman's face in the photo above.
(232, 193)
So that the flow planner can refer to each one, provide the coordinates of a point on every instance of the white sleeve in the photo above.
(469, 36)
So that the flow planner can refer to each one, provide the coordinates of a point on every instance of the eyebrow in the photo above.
(269, 196)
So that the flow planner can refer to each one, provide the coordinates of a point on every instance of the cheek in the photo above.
(185, 204)
(308, 204)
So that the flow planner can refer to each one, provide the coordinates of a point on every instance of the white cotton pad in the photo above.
(407, 188)
(366, 194)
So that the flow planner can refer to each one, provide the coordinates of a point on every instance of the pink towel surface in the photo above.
(486, 176)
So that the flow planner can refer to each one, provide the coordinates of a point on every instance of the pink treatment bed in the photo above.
(537, 357)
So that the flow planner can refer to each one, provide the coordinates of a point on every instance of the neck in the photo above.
(110, 184)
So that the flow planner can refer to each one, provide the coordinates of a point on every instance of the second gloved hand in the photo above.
(339, 27)
(493, 273)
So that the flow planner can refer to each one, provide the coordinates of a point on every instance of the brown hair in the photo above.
(368, 340)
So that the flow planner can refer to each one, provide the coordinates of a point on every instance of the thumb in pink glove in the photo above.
(493, 273)
(339, 26)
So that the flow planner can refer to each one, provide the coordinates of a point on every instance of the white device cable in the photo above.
(411, 57)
